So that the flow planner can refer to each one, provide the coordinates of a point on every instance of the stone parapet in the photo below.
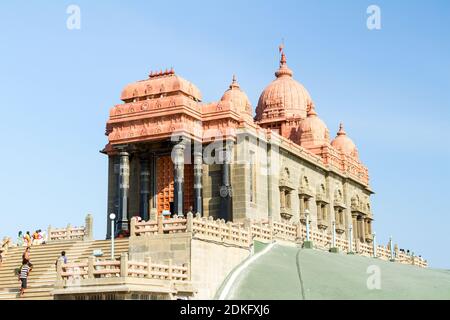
(70, 233)
(244, 233)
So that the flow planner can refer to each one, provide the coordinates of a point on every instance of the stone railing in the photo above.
(92, 269)
(72, 233)
(5, 244)
(240, 234)
(243, 234)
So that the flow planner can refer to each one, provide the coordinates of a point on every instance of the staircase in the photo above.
(43, 258)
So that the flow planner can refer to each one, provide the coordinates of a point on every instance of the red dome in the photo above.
(344, 144)
(284, 97)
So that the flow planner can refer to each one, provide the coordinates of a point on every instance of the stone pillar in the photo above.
(178, 165)
(124, 188)
(198, 186)
(355, 227)
(225, 189)
(153, 191)
(113, 191)
(362, 235)
(144, 189)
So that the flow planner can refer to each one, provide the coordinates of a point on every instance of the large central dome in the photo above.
(283, 98)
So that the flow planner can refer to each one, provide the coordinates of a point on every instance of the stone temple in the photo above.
(213, 202)
(171, 153)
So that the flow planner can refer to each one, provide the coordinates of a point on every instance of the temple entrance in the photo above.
(165, 185)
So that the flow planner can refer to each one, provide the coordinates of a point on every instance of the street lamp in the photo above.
(112, 217)
(307, 224)
(392, 249)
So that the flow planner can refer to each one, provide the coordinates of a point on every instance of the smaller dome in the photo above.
(236, 98)
(312, 129)
(162, 82)
(344, 144)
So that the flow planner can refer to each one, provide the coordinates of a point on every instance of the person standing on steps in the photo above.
(23, 276)
(26, 255)
(20, 239)
(27, 238)
(61, 258)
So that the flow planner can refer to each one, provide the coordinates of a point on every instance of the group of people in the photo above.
(27, 266)
(27, 239)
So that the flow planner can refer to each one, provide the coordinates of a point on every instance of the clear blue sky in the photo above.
(390, 87)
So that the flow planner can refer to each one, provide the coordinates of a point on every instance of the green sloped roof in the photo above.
(277, 274)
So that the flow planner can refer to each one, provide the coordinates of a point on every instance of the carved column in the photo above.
(113, 191)
(198, 186)
(355, 226)
(225, 189)
(124, 188)
(362, 235)
(178, 175)
(144, 189)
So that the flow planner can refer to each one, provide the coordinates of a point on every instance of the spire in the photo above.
(234, 83)
(284, 69)
(341, 131)
(312, 110)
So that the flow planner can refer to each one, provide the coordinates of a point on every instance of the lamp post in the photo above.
(112, 217)
(392, 248)
(350, 238)
(307, 224)
(374, 244)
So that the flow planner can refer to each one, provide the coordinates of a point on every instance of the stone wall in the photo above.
(161, 247)
(211, 263)
(275, 165)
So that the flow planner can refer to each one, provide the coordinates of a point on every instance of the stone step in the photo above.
(43, 277)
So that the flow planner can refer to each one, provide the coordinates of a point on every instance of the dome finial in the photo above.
(284, 69)
(341, 131)
(311, 110)
(234, 83)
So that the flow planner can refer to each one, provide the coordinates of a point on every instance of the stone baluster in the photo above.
(49, 233)
(160, 224)
(169, 269)
(124, 265)
(133, 227)
(91, 268)
(189, 222)
(68, 232)
(230, 232)
(270, 225)
(149, 267)
(59, 270)
(187, 265)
